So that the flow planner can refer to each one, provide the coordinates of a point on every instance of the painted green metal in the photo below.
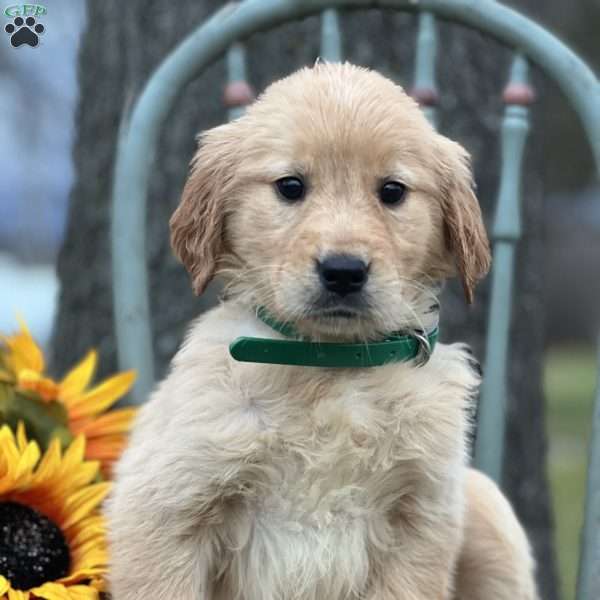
(425, 62)
(129, 273)
(506, 232)
(137, 147)
(236, 71)
(331, 36)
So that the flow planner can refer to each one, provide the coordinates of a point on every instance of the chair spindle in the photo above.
(238, 92)
(424, 89)
(331, 36)
(506, 231)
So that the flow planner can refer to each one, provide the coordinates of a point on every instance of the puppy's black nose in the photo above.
(342, 274)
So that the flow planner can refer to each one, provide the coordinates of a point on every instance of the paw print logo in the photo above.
(24, 31)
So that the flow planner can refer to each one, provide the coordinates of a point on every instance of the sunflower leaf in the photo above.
(42, 420)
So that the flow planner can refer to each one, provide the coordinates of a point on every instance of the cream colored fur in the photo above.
(265, 482)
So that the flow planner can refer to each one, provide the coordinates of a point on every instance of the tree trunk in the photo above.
(126, 41)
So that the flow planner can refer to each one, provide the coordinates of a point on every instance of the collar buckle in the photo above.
(425, 350)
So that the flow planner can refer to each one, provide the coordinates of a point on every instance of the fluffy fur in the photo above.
(265, 482)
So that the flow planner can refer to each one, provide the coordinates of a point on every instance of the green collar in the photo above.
(396, 347)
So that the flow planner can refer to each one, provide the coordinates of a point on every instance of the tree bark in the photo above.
(124, 42)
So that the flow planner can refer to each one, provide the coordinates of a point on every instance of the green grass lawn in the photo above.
(569, 383)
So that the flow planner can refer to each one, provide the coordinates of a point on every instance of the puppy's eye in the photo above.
(291, 188)
(392, 193)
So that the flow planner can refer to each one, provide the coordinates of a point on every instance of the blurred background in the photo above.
(42, 106)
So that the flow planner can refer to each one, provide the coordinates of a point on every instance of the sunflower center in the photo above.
(33, 549)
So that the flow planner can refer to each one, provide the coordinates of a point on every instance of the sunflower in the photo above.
(63, 409)
(53, 543)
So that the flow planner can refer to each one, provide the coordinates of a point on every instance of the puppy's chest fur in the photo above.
(329, 448)
(317, 486)
(348, 464)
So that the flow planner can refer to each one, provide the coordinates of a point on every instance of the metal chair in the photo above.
(224, 33)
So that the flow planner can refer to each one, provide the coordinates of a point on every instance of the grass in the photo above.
(569, 383)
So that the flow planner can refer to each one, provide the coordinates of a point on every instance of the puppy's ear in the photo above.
(197, 224)
(466, 238)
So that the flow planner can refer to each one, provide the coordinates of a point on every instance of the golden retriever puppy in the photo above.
(335, 208)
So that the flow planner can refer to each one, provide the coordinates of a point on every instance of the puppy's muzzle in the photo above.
(342, 274)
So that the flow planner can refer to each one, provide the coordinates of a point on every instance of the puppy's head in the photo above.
(333, 203)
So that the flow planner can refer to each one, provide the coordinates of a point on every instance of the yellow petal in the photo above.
(9, 461)
(92, 554)
(108, 447)
(87, 533)
(99, 584)
(21, 437)
(83, 502)
(103, 396)
(72, 472)
(17, 595)
(30, 380)
(85, 473)
(82, 575)
(113, 422)
(24, 352)
(8, 446)
(51, 591)
(28, 460)
(50, 463)
(4, 585)
(78, 378)
(83, 592)
(74, 453)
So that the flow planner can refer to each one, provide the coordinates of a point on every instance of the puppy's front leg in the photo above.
(175, 484)
(152, 555)
(422, 565)
(495, 560)
(420, 577)
(407, 580)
